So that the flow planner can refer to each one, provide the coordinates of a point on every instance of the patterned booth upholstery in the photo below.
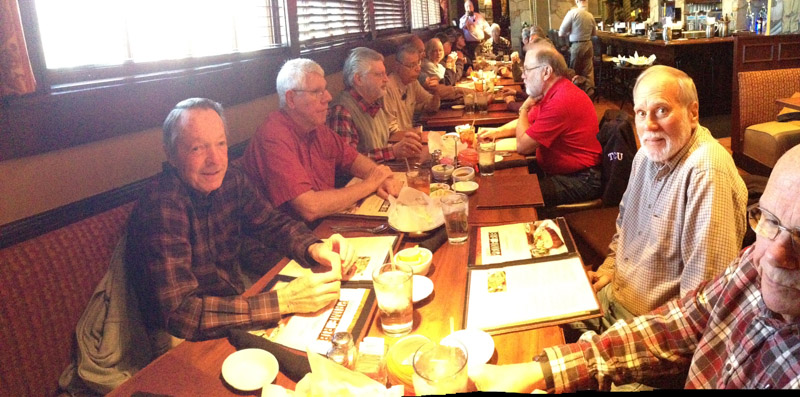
(47, 282)
(766, 139)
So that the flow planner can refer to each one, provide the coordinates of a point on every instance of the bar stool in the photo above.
(603, 70)
(624, 80)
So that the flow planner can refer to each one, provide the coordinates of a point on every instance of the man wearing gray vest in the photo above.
(358, 114)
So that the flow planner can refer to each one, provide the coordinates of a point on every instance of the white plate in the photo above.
(480, 345)
(498, 158)
(273, 390)
(466, 187)
(250, 369)
(423, 287)
(429, 228)
(457, 107)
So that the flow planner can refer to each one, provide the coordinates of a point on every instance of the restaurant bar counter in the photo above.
(706, 60)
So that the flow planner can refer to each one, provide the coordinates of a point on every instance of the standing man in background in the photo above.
(474, 26)
(579, 25)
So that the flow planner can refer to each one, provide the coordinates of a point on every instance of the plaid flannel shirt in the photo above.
(185, 253)
(722, 332)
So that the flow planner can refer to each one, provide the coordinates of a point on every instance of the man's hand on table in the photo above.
(431, 82)
(334, 252)
(494, 134)
(389, 187)
(510, 378)
(377, 175)
(409, 146)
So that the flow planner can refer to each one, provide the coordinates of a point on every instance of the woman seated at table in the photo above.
(437, 64)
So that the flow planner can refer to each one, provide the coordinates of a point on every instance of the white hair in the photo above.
(293, 74)
(359, 62)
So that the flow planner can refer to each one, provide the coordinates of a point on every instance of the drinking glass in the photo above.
(393, 289)
(440, 369)
(486, 151)
(482, 99)
(419, 177)
(455, 209)
(469, 103)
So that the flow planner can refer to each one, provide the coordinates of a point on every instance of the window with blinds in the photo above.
(80, 33)
(330, 23)
(425, 13)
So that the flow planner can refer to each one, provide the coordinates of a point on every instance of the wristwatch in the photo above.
(547, 373)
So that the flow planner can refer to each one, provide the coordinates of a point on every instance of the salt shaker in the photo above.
(343, 350)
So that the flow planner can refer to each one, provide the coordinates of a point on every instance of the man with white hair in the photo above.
(474, 26)
(189, 234)
(682, 216)
(295, 157)
(357, 113)
(737, 331)
(495, 46)
(579, 25)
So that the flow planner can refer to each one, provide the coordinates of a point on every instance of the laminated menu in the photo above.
(372, 206)
(526, 275)
(520, 242)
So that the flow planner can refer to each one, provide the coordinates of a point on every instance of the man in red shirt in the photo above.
(295, 157)
(558, 123)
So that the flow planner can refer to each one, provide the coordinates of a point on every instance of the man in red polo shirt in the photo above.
(295, 157)
(558, 123)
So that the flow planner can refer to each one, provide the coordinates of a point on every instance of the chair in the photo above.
(619, 147)
(603, 70)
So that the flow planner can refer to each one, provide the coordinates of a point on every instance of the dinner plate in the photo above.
(250, 369)
(479, 344)
(423, 287)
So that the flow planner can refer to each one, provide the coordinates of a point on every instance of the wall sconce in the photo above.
(487, 3)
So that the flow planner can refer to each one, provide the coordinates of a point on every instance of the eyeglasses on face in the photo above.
(412, 65)
(317, 94)
(766, 224)
(528, 70)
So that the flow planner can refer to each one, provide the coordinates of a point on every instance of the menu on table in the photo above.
(313, 331)
(519, 242)
(526, 275)
(530, 295)
(371, 206)
(370, 253)
(350, 312)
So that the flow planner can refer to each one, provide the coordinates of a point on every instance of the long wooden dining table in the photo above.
(194, 368)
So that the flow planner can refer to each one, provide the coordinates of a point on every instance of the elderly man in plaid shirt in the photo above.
(201, 225)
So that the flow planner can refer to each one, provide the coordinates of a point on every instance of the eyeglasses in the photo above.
(528, 70)
(412, 65)
(765, 224)
(317, 94)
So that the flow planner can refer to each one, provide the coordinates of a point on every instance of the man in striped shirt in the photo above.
(740, 330)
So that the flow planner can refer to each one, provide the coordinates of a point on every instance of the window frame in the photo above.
(64, 113)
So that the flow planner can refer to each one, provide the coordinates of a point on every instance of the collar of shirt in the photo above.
(371, 108)
(402, 88)
(552, 91)
(296, 129)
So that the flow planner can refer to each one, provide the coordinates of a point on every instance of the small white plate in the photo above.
(457, 107)
(250, 369)
(498, 158)
(273, 390)
(466, 187)
(479, 344)
(423, 287)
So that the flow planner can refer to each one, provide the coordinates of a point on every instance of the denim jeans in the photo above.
(583, 185)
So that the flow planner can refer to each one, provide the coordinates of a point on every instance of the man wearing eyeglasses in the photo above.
(295, 157)
(557, 122)
(405, 96)
(737, 331)
(358, 115)
(682, 216)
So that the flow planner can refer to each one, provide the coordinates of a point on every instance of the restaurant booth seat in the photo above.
(764, 138)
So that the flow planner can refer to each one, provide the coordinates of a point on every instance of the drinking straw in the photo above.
(408, 166)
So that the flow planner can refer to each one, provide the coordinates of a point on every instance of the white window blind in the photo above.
(425, 13)
(390, 14)
(113, 32)
(328, 23)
